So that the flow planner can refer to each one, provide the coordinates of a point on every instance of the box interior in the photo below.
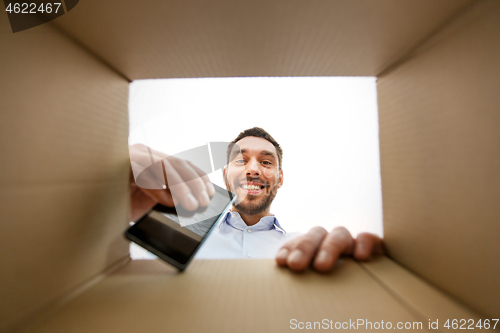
(64, 128)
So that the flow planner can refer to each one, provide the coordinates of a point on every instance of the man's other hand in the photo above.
(322, 249)
(169, 181)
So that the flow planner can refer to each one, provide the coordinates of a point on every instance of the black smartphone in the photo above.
(175, 235)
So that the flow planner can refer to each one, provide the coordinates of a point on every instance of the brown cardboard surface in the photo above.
(439, 143)
(64, 171)
(56, 241)
(225, 38)
(422, 299)
(224, 296)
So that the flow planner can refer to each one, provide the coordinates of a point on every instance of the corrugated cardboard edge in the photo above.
(439, 142)
(53, 307)
(65, 174)
(425, 301)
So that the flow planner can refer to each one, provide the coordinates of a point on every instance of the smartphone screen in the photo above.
(175, 235)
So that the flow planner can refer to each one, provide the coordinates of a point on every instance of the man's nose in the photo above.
(252, 168)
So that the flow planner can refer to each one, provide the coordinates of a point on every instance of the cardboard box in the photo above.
(65, 164)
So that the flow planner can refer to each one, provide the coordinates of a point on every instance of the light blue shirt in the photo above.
(233, 239)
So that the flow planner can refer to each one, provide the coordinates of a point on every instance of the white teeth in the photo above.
(251, 187)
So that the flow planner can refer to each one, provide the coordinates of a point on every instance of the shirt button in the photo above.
(249, 231)
(249, 255)
(233, 214)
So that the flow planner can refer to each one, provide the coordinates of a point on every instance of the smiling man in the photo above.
(254, 173)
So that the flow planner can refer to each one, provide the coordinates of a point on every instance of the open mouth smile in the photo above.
(252, 188)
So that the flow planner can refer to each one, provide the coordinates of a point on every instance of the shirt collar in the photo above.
(234, 220)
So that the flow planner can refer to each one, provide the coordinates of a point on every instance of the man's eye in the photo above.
(266, 162)
(240, 161)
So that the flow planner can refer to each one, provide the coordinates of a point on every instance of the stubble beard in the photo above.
(254, 204)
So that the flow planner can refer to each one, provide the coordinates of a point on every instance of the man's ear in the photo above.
(281, 178)
(224, 174)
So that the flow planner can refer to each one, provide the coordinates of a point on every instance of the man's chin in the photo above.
(250, 210)
(252, 207)
(251, 204)
(245, 199)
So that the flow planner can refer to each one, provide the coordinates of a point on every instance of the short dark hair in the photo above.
(260, 133)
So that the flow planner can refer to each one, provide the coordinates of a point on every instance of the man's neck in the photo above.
(252, 219)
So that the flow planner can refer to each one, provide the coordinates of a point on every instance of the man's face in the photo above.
(253, 174)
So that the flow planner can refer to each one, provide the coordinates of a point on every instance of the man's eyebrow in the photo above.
(244, 151)
(268, 153)
(263, 152)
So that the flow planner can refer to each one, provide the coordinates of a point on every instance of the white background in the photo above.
(327, 127)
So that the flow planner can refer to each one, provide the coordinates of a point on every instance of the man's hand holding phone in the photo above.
(159, 178)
